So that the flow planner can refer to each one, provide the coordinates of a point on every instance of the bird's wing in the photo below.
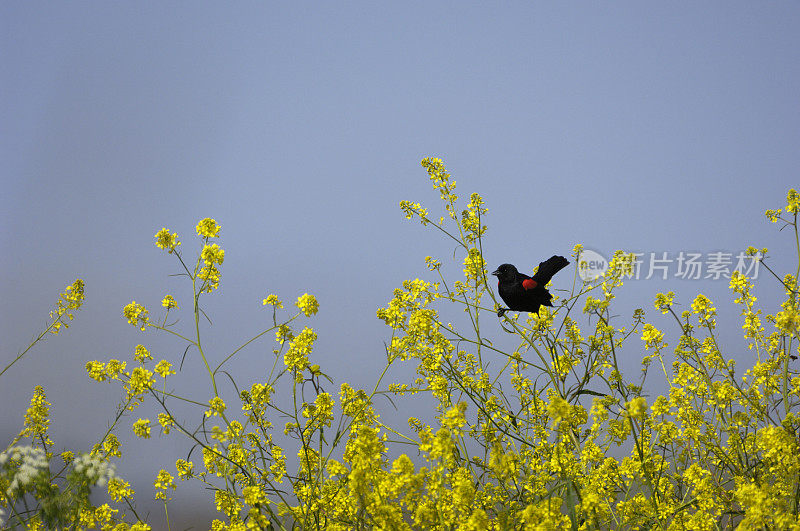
(548, 268)
(520, 278)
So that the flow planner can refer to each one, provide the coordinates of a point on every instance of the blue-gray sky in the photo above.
(651, 127)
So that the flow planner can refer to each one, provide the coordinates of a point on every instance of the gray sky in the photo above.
(299, 128)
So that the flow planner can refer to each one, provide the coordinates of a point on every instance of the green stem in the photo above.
(229, 356)
(39, 338)
(196, 294)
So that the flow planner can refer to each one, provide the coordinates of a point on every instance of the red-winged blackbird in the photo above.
(523, 293)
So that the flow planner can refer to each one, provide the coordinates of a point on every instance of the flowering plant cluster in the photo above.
(532, 423)
(39, 492)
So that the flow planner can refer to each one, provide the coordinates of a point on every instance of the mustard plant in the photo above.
(533, 423)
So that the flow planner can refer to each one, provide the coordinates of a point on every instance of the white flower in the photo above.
(95, 469)
(29, 460)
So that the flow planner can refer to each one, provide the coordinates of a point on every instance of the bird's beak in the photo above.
(496, 272)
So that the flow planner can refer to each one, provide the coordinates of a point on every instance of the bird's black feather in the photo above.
(524, 296)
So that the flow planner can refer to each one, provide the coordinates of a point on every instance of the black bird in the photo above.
(523, 293)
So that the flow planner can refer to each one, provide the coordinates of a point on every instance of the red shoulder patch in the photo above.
(529, 283)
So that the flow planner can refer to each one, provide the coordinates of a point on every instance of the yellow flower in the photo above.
(273, 300)
(166, 423)
(96, 371)
(210, 275)
(253, 495)
(165, 240)
(307, 304)
(227, 503)
(216, 407)
(477, 521)
(141, 380)
(118, 489)
(441, 181)
(664, 301)
(320, 413)
(414, 209)
(474, 265)
(432, 263)
(137, 315)
(704, 307)
(283, 333)
(141, 354)
(454, 417)
(111, 446)
(652, 336)
(558, 408)
(104, 514)
(299, 350)
(164, 481)
(788, 321)
(208, 228)
(637, 407)
(114, 368)
(212, 254)
(773, 215)
(278, 468)
(164, 368)
(142, 428)
(169, 302)
(73, 296)
(185, 468)
(71, 299)
(793, 201)
(37, 417)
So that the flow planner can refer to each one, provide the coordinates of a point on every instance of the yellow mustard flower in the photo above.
(166, 422)
(137, 315)
(114, 368)
(185, 469)
(216, 406)
(273, 300)
(300, 348)
(308, 304)
(141, 354)
(169, 302)
(142, 428)
(163, 481)
(119, 489)
(71, 299)
(164, 368)
(166, 240)
(792, 201)
(212, 254)
(208, 228)
(96, 371)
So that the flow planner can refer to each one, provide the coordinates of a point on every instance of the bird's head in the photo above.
(505, 272)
